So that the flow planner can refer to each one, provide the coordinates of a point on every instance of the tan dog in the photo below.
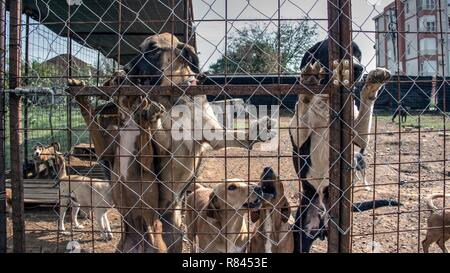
(167, 61)
(273, 222)
(218, 217)
(135, 185)
(437, 232)
(41, 156)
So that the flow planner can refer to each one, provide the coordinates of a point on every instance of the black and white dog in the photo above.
(310, 139)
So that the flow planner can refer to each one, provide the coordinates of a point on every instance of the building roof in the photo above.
(98, 23)
(61, 60)
(390, 5)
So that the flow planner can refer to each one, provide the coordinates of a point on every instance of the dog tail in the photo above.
(367, 205)
(429, 199)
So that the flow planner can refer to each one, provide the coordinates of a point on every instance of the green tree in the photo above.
(254, 49)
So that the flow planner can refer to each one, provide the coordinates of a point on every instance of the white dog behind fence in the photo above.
(78, 191)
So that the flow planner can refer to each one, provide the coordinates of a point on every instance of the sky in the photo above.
(210, 35)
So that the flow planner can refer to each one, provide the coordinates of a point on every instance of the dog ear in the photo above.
(285, 210)
(254, 215)
(56, 146)
(190, 56)
(212, 207)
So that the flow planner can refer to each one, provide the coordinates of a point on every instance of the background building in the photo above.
(409, 40)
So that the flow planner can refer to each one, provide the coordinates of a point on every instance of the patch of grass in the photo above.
(46, 124)
(434, 121)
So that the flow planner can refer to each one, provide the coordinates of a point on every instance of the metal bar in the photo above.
(26, 82)
(15, 126)
(346, 151)
(341, 102)
(232, 90)
(3, 235)
(443, 42)
(335, 127)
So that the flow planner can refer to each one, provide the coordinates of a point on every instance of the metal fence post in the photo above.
(2, 128)
(15, 126)
(341, 120)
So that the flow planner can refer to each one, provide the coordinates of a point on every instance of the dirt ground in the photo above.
(389, 229)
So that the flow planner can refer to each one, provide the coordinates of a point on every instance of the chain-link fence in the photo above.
(223, 126)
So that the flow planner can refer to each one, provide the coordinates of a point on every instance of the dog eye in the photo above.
(231, 187)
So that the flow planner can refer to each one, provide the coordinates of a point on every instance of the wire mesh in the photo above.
(240, 131)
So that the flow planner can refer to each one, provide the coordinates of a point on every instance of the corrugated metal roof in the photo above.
(98, 23)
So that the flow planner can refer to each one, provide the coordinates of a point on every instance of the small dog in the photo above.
(42, 156)
(218, 217)
(273, 221)
(400, 111)
(77, 191)
(436, 231)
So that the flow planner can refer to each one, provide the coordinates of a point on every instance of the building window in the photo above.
(408, 28)
(428, 46)
(430, 26)
(407, 7)
(408, 51)
(429, 4)
(428, 68)
(428, 23)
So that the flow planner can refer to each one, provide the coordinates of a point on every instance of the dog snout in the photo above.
(256, 193)
(258, 190)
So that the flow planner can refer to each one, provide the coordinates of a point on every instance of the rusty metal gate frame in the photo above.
(3, 235)
(341, 118)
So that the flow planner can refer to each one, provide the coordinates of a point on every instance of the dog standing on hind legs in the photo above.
(438, 224)
(310, 135)
(167, 61)
(135, 185)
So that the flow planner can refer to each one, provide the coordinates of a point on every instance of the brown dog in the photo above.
(41, 156)
(166, 61)
(274, 224)
(436, 231)
(134, 183)
(219, 216)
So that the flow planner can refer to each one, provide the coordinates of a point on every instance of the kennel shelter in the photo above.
(248, 51)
